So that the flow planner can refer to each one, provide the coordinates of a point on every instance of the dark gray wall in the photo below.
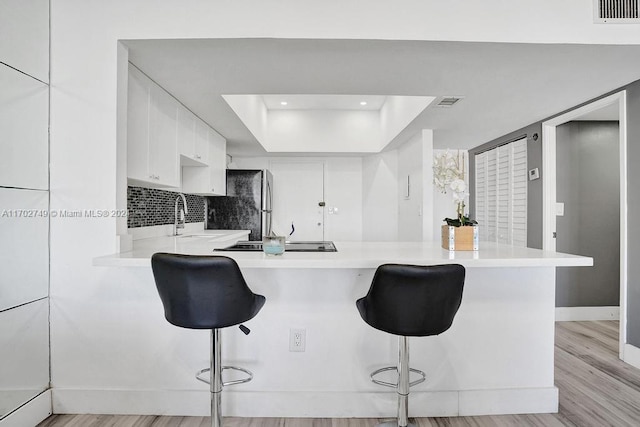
(633, 212)
(588, 183)
(534, 188)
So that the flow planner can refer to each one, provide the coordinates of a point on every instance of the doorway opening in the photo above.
(560, 179)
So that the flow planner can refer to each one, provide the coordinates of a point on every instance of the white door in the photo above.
(298, 199)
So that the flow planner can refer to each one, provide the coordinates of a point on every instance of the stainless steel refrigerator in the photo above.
(247, 205)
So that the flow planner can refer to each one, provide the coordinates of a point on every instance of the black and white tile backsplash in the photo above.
(148, 206)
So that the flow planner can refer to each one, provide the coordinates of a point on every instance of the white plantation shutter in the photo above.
(519, 193)
(481, 194)
(501, 193)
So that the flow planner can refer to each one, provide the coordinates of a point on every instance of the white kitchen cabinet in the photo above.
(152, 149)
(163, 142)
(217, 162)
(210, 180)
(193, 145)
(24, 131)
(202, 142)
(139, 88)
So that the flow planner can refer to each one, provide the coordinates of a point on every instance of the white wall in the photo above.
(325, 130)
(415, 212)
(380, 197)
(94, 313)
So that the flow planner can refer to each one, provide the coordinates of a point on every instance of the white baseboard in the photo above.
(519, 401)
(631, 355)
(30, 414)
(306, 404)
(575, 314)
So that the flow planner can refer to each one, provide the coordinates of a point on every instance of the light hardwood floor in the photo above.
(596, 389)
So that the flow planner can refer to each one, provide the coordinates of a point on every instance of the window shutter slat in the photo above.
(501, 193)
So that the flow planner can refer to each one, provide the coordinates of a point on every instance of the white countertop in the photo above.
(349, 255)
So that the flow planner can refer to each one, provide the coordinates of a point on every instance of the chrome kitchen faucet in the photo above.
(176, 224)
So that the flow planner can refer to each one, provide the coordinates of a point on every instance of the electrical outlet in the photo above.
(297, 339)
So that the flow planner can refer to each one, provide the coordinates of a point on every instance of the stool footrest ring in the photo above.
(394, 385)
(233, 382)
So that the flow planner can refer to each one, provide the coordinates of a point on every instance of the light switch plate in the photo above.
(559, 209)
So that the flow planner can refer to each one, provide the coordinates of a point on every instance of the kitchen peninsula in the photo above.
(497, 358)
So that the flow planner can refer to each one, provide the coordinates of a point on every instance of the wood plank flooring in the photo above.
(596, 390)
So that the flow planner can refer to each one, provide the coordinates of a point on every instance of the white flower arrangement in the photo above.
(448, 175)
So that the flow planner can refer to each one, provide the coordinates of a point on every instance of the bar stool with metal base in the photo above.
(411, 301)
(206, 292)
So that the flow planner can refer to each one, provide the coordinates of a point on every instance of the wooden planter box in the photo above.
(460, 238)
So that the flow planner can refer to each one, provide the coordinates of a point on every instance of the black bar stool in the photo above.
(206, 292)
(411, 301)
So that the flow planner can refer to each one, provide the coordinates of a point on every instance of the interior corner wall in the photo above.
(380, 197)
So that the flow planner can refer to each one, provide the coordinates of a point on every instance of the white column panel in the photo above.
(24, 352)
(24, 130)
(24, 40)
(24, 247)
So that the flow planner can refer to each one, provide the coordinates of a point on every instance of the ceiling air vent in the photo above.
(616, 11)
(448, 101)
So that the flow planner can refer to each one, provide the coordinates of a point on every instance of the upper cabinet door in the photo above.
(218, 163)
(202, 142)
(192, 146)
(163, 148)
(138, 100)
(209, 180)
(186, 135)
(152, 127)
(24, 43)
(24, 131)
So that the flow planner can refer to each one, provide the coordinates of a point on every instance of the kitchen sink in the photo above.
(256, 246)
(199, 236)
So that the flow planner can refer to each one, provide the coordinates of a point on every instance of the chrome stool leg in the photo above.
(403, 381)
(403, 385)
(216, 379)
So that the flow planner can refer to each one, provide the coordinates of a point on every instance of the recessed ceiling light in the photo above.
(363, 102)
(283, 102)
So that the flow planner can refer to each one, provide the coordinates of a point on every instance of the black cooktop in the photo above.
(254, 246)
